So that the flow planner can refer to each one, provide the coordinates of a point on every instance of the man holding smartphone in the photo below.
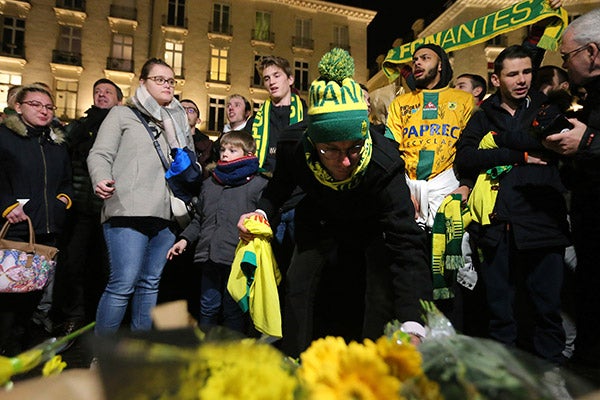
(523, 244)
(580, 52)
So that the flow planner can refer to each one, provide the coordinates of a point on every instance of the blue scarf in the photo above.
(236, 172)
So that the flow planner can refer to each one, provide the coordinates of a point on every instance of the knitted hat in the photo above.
(446, 73)
(337, 109)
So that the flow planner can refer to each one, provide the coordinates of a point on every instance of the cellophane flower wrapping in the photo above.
(468, 367)
(186, 364)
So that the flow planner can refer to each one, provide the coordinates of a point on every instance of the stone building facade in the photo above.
(213, 46)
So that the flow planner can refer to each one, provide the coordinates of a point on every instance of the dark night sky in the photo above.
(389, 23)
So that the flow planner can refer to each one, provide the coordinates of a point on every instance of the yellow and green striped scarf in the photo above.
(482, 29)
(483, 196)
(260, 126)
(323, 176)
(449, 224)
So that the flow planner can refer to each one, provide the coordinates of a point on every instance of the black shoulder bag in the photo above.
(182, 210)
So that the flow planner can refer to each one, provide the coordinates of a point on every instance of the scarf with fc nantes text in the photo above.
(482, 29)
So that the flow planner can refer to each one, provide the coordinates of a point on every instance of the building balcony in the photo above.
(77, 5)
(66, 57)
(123, 12)
(303, 43)
(220, 29)
(119, 64)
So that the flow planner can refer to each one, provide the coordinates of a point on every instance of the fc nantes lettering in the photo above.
(482, 29)
(336, 95)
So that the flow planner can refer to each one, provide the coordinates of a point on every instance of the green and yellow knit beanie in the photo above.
(337, 109)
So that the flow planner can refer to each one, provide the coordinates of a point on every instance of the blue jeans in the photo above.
(216, 304)
(137, 255)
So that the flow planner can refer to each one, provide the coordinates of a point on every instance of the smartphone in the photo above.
(558, 124)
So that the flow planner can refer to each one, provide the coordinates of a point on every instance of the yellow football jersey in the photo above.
(426, 124)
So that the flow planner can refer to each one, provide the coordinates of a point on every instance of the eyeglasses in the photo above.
(336, 154)
(190, 110)
(159, 80)
(566, 56)
(38, 106)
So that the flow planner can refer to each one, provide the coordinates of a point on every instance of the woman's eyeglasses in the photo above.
(38, 106)
(336, 154)
(159, 80)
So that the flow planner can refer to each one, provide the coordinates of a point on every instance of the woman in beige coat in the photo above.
(128, 175)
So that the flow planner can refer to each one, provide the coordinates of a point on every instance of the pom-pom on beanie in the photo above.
(337, 110)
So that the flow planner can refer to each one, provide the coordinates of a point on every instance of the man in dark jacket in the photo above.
(524, 239)
(581, 57)
(84, 251)
(356, 202)
(203, 144)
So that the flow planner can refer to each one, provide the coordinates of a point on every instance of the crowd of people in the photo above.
(360, 212)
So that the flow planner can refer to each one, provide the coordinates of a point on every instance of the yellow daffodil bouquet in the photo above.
(45, 352)
(242, 368)
(388, 368)
(187, 364)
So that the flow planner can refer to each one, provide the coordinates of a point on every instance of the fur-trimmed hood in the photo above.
(15, 124)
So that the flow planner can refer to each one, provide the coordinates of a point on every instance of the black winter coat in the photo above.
(530, 197)
(583, 169)
(81, 134)
(378, 209)
(34, 165)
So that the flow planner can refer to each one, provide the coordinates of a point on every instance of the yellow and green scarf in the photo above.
(482, 29)
(254, 278)
(449, 224)
(483, 196)
(260, 126)
(323, 176)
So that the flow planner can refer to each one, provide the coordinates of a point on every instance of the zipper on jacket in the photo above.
(41, 138)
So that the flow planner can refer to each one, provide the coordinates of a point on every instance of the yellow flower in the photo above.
(6, 370)
(19, 364)
(422, 388)
(351, 371)
(403, 358)
(320, 361)
(31, 358)
(53, 366)
(245, 370)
